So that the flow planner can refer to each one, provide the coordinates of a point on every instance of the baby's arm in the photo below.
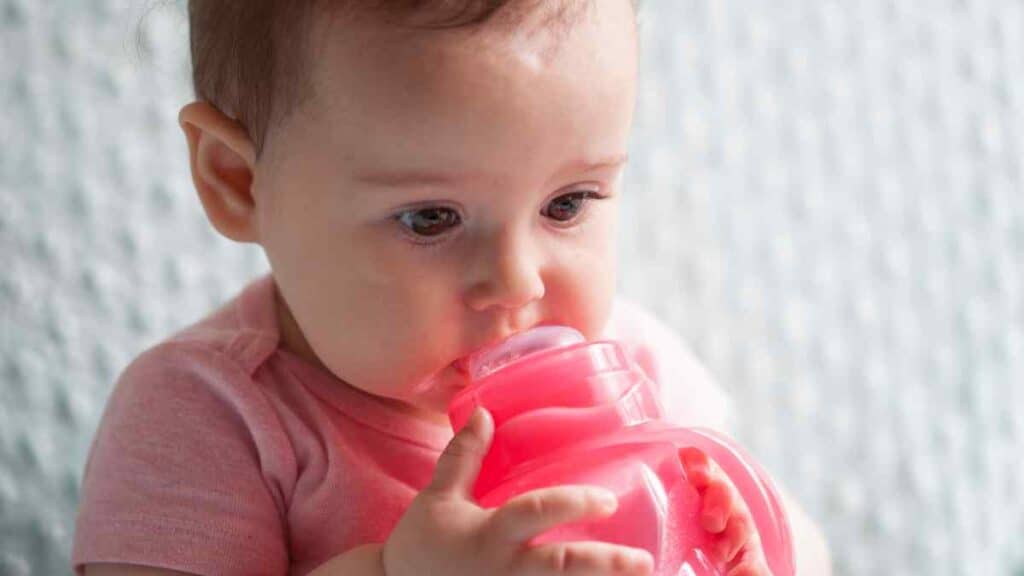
(362, 561)
(175, 466)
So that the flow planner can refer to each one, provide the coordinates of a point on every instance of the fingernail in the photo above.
(642, 559)
(472, 425)
(606, 500)
(478, 415)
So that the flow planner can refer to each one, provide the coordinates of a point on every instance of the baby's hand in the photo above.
(724, 513)
(444, 532)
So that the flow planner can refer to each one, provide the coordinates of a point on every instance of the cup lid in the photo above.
(492, 359)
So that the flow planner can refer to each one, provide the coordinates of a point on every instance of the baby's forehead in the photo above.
(356, 50)
(541, 26)
(395, 73)
(459, 100)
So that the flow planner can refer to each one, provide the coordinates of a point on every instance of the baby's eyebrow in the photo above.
(427, 178)
(412, 178)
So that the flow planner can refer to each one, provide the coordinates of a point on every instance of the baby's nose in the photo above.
(507, 274)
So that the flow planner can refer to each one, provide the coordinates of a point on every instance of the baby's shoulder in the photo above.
(688, 391)
(185, 417)
(655, 344)
(213, 359)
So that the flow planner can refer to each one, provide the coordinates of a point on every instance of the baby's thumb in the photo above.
(459, 464)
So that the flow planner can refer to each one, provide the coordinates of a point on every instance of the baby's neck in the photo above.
(291, 337)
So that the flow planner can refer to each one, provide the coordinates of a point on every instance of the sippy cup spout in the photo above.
(492, 359)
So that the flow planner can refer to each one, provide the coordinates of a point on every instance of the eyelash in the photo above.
(419, 242)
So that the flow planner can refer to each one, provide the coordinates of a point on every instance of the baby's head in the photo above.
(426, 177)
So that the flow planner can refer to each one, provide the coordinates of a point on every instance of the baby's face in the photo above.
(440, 193)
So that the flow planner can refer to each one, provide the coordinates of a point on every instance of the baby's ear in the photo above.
(222, 157)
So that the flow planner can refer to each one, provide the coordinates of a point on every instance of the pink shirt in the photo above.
(221, 453)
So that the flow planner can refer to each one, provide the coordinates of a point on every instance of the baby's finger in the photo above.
(717, 506)
(736, 535)
(457, 468)
(750, 560)
(697, 466)
(749, 567)
(534, 512)
(587, 558)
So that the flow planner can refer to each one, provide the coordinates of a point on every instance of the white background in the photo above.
(824, 199)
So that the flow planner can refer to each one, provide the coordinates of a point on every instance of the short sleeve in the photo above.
(175, 475)
(688, 393)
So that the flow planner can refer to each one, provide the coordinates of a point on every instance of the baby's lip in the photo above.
(496, 354)
(462, 365)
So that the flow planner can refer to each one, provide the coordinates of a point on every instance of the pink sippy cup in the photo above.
(571, 412)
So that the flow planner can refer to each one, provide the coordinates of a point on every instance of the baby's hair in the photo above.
(250, 58)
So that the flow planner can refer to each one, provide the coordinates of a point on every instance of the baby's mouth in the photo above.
(462, 365)
(491, 358)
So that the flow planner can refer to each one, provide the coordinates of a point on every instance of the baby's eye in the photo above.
(566, 207)
(430, 222)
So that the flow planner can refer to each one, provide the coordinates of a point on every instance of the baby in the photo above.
(426, 178)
